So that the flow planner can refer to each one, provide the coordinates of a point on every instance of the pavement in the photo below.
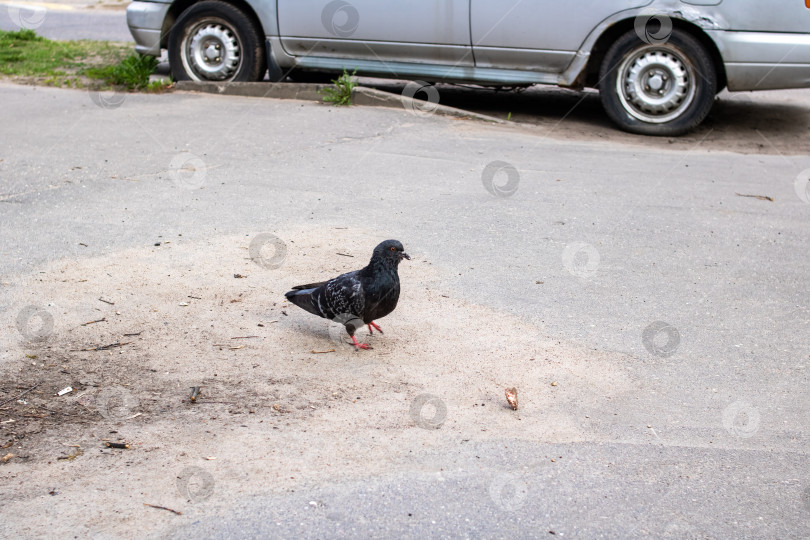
(68, 19)
(691, 263)
(773, 122)
(517, 491)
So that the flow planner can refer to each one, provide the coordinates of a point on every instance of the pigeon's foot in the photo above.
(360, 345)
(372, 323)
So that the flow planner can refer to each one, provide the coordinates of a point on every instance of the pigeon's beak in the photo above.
(404, 255)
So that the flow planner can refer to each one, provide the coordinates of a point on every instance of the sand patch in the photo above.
(276, 410)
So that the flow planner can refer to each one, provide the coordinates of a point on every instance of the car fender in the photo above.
(707, 17)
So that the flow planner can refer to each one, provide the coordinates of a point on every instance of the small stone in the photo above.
(554, 383)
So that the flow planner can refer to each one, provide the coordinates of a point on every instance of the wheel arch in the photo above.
(614, 31)
(179, 6)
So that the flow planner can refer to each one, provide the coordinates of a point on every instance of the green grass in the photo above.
(99, 64)
(132, 72)
(341, 94)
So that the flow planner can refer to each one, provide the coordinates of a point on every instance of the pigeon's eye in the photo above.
(393, 248)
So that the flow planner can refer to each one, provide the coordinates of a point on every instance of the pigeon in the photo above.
(356, 298)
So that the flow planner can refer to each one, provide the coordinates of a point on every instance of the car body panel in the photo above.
(763, 60)
(538, 35)
(762, 45)
(145, 20)
(422, 31)
(523, 59)
(430, 72)
(779, 16)
(379, 51)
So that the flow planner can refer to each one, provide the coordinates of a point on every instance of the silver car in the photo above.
(657, 64)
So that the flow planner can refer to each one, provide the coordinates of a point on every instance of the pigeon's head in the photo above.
(391, 251)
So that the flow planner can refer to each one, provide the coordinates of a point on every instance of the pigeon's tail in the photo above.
(303, 299)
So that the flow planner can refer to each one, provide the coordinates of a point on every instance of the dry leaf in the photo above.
(511, 397)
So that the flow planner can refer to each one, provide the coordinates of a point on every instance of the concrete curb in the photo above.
(307, 92)
(371, 97)
(362, 96)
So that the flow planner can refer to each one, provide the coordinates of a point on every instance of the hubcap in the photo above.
(656, 84)
(211, 51)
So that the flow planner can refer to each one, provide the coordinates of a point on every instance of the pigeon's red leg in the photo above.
(360, 345)
(372, 323)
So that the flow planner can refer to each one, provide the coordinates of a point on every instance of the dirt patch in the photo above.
(277, 411)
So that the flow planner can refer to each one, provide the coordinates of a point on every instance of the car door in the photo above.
(536, 35)
(422, 31)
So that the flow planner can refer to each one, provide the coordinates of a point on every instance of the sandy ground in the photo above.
(276, 412)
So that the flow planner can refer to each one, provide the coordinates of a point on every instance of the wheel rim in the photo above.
(656, 84)
(211, 51)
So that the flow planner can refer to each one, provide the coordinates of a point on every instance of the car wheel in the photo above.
(214, 41)
(664, 88)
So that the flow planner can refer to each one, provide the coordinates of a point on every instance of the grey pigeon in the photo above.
(358, 297)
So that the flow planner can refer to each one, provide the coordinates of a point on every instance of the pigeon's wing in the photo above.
(303, 299)
(309, 286)
(341, 296)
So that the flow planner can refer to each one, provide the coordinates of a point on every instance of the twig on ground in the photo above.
(163, 508)
(123, 446)
(760, 197)
(106, 301)
(21, 395)
(103, 319)
(47, 409)
(103, 348)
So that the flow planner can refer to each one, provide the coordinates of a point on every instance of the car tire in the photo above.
(215, 41)
(665, 87)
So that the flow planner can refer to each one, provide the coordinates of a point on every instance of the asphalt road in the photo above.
(775, 122)
(661, 255)
(66, 22)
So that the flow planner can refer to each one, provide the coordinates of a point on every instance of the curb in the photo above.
(307, 92)
(361, 96)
